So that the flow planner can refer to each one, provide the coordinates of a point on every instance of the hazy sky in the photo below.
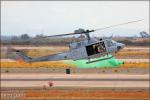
(60, 17)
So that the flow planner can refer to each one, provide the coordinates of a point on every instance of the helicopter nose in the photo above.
(120, 46)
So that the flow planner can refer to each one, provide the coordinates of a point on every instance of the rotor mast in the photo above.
(82, 31)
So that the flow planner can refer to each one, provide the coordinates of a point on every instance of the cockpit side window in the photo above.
(114, 42)
(95, 48)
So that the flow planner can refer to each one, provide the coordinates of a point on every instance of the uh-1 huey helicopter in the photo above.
(85, 49)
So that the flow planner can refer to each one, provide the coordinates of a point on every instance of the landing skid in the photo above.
(99, 60)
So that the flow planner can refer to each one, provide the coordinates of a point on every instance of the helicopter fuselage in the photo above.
(93, 48)
(86, 49)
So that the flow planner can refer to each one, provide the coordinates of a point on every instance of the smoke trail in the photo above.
(111, 62)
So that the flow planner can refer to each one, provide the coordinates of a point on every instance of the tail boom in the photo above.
(54, 57)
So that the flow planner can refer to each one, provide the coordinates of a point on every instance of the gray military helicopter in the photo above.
(85, 49)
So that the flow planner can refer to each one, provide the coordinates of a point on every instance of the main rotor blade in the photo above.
(62, 35)
(117, 25)
(88, 31)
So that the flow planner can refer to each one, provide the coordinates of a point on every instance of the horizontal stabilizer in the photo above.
(23, 55)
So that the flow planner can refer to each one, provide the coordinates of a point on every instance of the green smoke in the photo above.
(109, 61)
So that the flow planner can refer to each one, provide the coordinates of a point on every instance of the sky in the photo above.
(60, 17)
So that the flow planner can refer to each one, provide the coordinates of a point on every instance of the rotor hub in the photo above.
(82, 31)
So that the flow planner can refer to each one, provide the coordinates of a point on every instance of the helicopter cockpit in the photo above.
(96, 48)
(111, 43)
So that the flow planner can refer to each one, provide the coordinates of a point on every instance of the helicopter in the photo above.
(85, 49)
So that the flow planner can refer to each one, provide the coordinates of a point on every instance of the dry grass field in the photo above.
(133, 54)
(126, 53)
(60, 64)
(136, 65)
(32, 51)
(22, 64)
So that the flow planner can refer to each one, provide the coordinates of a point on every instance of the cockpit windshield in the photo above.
(113, 41)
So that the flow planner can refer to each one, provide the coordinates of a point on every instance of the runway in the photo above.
(75, 80)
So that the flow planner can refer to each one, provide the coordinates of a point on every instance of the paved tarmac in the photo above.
(74, 80)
